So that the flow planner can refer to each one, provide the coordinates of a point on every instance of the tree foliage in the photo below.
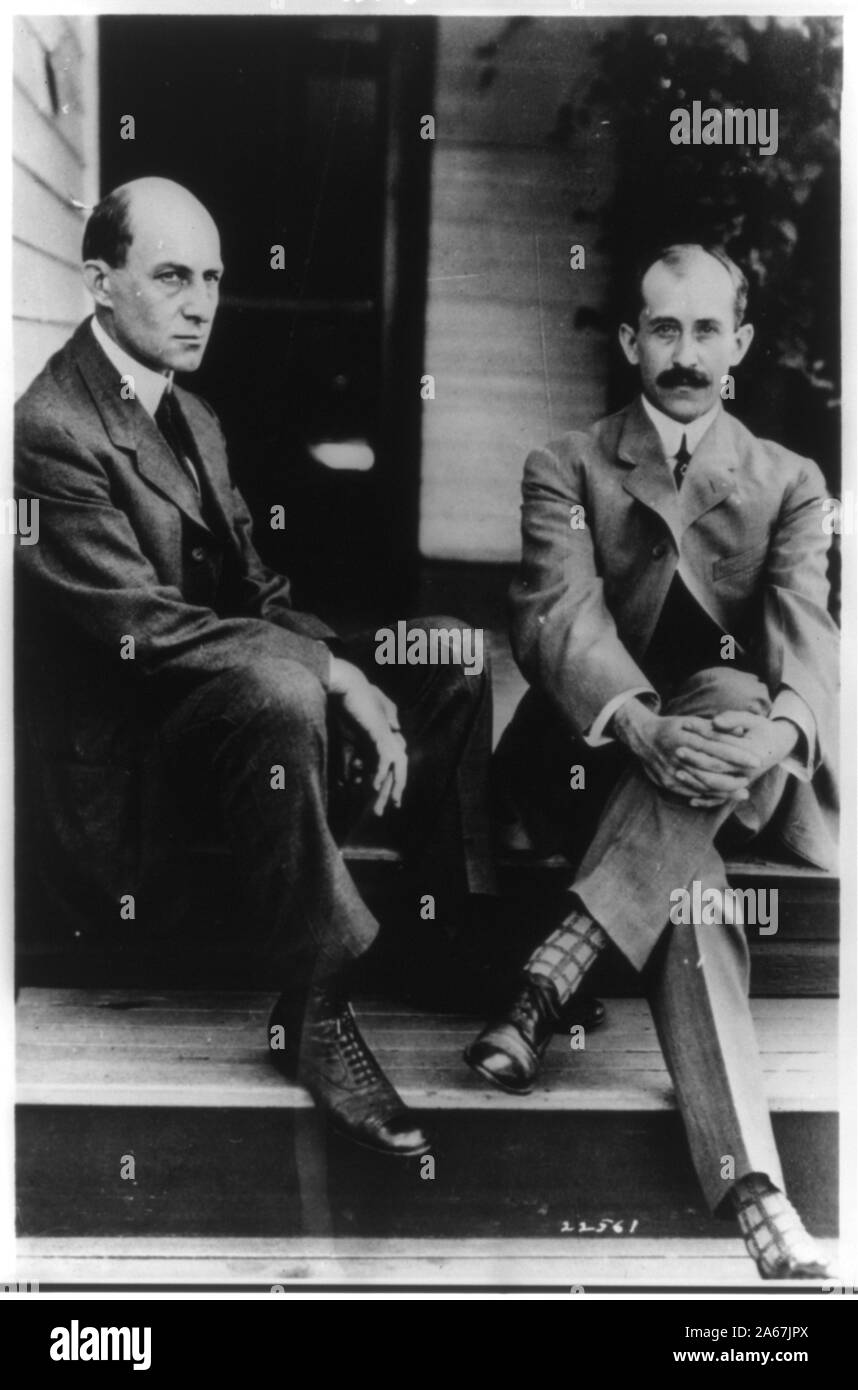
(777, 214)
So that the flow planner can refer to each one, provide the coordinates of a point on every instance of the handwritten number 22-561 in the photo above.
(607, 1223)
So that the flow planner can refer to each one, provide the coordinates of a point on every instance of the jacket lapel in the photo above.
(132, 429)
(158, 464)
(711, 476)
(211, 453)
(649, 481)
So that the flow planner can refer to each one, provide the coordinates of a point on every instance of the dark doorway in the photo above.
(301, 134)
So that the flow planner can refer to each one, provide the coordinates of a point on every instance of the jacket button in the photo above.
(659, 550)
(198, 553)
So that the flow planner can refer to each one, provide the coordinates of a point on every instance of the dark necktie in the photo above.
(683, 458)
(169, 419)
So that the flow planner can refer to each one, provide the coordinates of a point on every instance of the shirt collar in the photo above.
(670, 432)
(149, 386)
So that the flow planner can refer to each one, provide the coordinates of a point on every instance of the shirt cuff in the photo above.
(803, 759)
(596, 737)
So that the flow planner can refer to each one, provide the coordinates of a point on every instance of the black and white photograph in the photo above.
(432, 756)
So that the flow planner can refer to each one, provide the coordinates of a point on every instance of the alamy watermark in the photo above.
(838, 515)
(729, 125)
(76, 1343)
(434, 646)
(20, 518)
(716, 907)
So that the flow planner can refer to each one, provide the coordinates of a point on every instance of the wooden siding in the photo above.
(511, 369)
(55, 167)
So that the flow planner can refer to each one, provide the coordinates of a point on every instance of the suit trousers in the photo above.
(643, 845)
(260, 746)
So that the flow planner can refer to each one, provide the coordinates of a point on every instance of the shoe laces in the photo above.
(353, 1048)
(532, 1004)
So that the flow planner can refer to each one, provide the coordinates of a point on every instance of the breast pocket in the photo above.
(742, 562)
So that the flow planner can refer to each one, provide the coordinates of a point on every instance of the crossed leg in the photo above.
(647, 844)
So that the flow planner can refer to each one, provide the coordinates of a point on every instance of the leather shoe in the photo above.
(583, 1011)
(345, 1079)
(508, 1052)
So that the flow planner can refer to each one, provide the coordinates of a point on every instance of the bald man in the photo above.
(168, 686)
(671, 616)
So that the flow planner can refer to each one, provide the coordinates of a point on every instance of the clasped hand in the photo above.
(708, 762)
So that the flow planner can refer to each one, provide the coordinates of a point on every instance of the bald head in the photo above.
(684, 260)
(710, 264)
(152, 264)
(111, 227)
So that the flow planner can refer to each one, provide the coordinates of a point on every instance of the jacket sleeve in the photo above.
(800, 638)
(89, 568)
(564, 637)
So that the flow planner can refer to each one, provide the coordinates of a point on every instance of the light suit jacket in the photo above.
(745, 533)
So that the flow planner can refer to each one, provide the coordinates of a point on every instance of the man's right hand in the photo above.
(376, 717)
(674, 753)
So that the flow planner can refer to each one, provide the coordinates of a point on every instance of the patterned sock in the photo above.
(770, 1225)
(568, 953)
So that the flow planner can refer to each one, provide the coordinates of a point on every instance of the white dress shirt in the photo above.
(671, 432)
(147, 386)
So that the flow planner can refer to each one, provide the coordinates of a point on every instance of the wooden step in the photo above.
(193, 942)
(115, 1047)
(222, 1146)
(562, 1265)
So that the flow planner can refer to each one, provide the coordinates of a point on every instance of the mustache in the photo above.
(681, 376)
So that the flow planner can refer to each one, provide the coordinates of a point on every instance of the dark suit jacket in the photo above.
(745, 534)
(124, 551)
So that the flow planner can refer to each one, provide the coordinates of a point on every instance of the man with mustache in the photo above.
(670, 613)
